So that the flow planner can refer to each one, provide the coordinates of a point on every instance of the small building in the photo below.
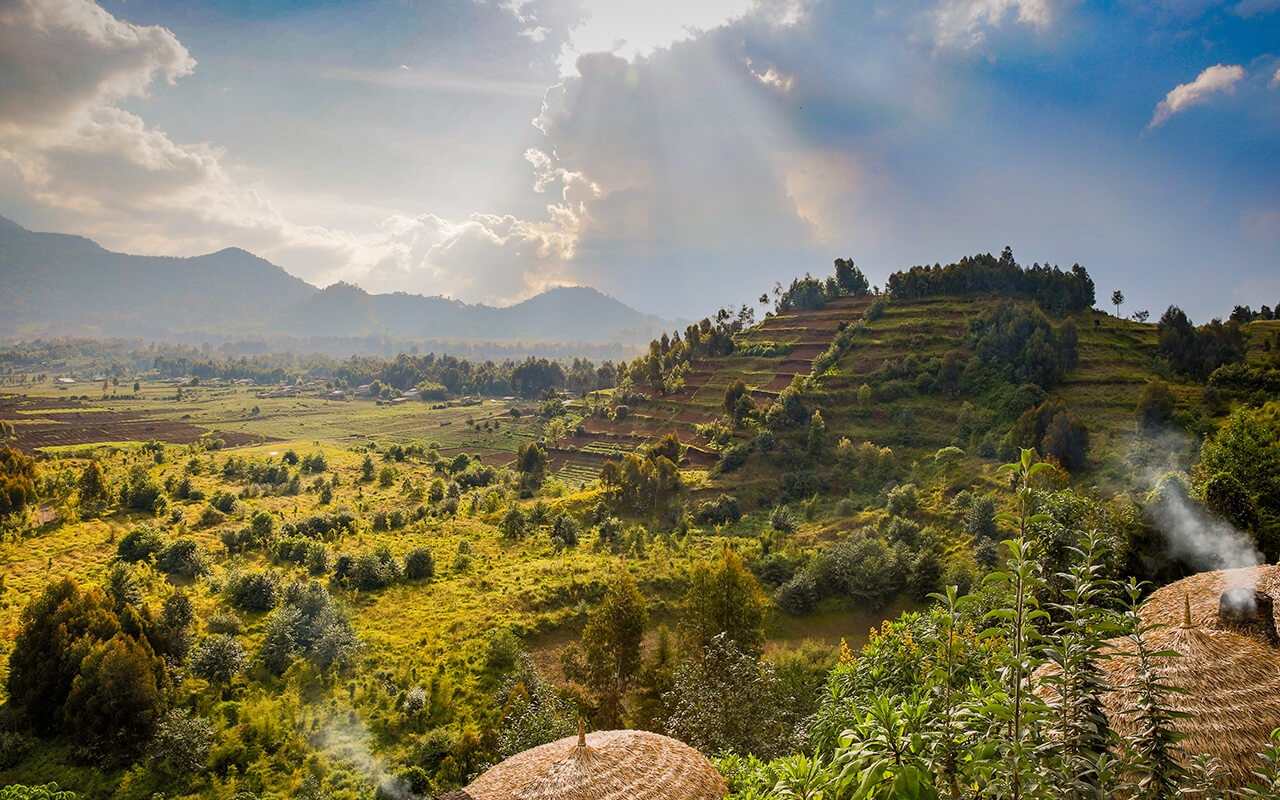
(1219, 631)
(605, 765)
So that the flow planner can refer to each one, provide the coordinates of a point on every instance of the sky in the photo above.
(679, 155)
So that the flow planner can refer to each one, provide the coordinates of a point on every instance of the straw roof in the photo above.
(605, 765)
(1166, 605)
(1230, 682)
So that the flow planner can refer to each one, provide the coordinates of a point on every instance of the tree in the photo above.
(181, 743)
(1054, 430)
(725, 702)
(531, 463)
(366, 469)
(1157, 405)
(116, 698)
(611, 644)
(723, 598)
(850, 279)
(55, 632)
(1117, 299)
(94, 494)
(17, 483)
(732, 393)
(219, 659)
(817, 439)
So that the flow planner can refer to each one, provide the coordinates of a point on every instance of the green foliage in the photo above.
(419, 564)
(726, 701)
(723, 510)
(611, 644)
(48, 791)
(219, 658)
(253, 590)
(1056, 291)
(1157, 405)
(723, 598)
(140, 544)
(181, 743)
(1022, 342)
(1198, 351)
(1055, 431)
(17, 483)
(92, 486)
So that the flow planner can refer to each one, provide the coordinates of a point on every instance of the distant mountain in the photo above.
(58, 285)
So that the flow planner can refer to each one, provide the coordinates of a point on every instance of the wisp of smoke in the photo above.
(1192, 534)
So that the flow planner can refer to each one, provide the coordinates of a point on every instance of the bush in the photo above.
(864, 569)
(724, 510)
(228, 624)
(798, 595)
(254, 591)
(503, 649)
(181, 743)
(140, 544)
(419, 565)
(903, 499)
(224, 501)
(377, 569)
(185, 558)
(219, 658)
(783, 519)
(732, 458)
(143, 492)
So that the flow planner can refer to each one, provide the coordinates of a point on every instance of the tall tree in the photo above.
(1117, 300)
(611, 644)
(723, 597)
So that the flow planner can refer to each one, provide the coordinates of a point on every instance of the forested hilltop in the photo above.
(880, 543)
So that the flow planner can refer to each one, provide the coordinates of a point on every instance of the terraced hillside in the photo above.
(890, 349)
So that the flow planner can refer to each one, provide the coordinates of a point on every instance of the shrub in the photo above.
(254, 591)
(181, 743)
(219, 658)
(140, 544)
(503, 649)
(419, 564)
(224, 501)
(798, 595)
(228, 624)
(185, 558)
(903, 499)
(143, 492)
(783, 519)
(377, 569)
(724, 510)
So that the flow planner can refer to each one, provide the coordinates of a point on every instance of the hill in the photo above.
(60, 285)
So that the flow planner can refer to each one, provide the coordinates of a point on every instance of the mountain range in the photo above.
(54, 284)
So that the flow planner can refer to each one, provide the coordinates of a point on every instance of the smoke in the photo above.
(1191, 534)
(345, 739)
(1199, 538)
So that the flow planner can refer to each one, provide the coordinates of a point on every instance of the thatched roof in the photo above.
(1166, 605)
(1231, 680)
(606, 765)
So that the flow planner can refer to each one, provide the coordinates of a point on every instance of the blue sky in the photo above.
(677, 155)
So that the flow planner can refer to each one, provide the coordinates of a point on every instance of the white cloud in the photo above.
(1255, 8)
(1275, 79)
(963, 23)
(63, 60)
(69, 146)
(1216, 79)
(772, 77)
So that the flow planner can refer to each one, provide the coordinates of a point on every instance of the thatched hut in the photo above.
(1223, 627)
(605, 765)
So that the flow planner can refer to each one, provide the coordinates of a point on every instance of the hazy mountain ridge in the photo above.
(59, 284)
